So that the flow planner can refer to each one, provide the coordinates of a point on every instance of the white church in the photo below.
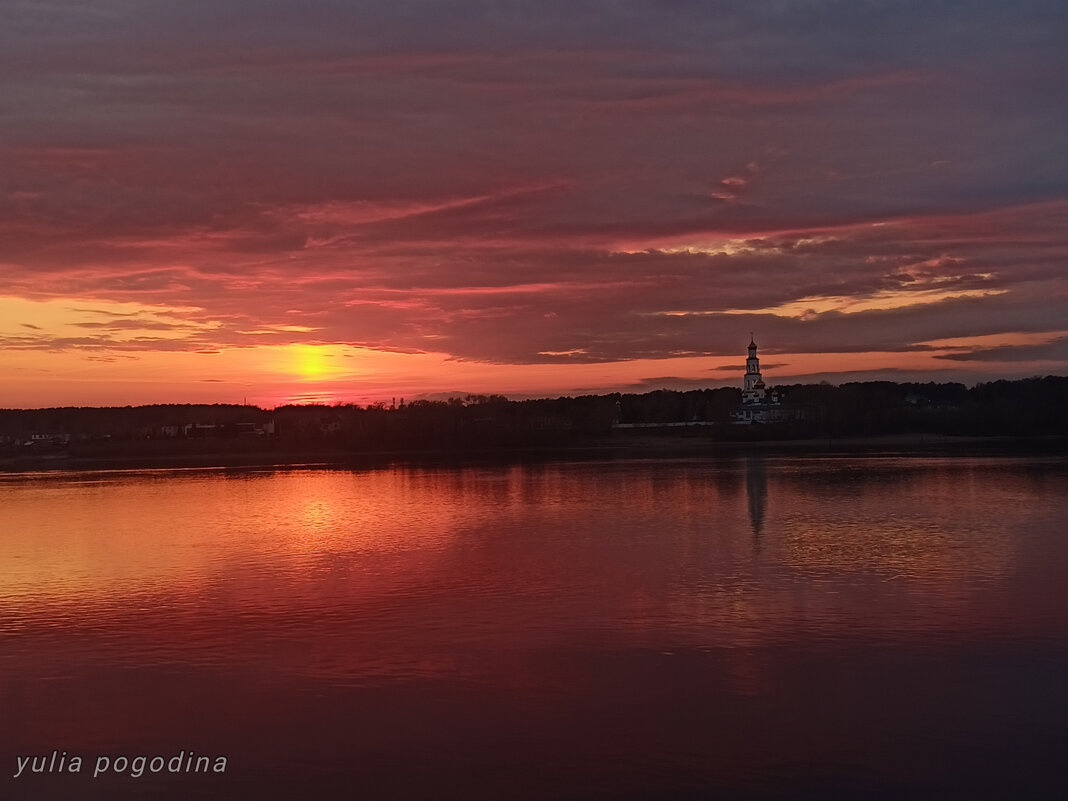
(759, 405)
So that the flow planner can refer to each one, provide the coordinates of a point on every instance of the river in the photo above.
(754, 626)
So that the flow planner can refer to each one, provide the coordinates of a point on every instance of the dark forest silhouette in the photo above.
(1028, 407)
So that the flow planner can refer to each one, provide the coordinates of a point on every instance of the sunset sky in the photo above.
(291, 201)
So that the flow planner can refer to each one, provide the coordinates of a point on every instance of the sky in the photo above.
(280, 201)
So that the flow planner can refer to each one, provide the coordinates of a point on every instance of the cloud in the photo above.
(849, 287)
(134, 325)
(110, 357)
(1057, 350)
(571, 185)
(739, 369)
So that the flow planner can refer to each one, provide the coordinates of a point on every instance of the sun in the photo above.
(313, 362)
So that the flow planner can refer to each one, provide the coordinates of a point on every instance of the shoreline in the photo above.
(643, 445)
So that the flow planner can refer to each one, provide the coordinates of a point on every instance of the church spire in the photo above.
(753, 388)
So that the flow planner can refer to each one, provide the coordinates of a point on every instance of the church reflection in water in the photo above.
(756, 490)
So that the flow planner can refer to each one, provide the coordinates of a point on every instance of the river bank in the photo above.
(620, 445)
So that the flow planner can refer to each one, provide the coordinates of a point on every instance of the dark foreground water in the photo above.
(749, 628)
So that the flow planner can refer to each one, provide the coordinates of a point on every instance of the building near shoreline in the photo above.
(759, 404)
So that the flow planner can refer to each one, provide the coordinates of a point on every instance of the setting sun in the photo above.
(315, 362)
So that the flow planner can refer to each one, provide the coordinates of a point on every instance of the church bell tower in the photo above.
(753, 388)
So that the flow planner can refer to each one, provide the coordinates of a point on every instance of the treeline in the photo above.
(1018, 408)
(1026, 407)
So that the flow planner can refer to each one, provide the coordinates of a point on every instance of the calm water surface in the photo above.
(757, 627)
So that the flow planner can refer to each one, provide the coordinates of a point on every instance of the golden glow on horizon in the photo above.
(269, 376)
(72, 352)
